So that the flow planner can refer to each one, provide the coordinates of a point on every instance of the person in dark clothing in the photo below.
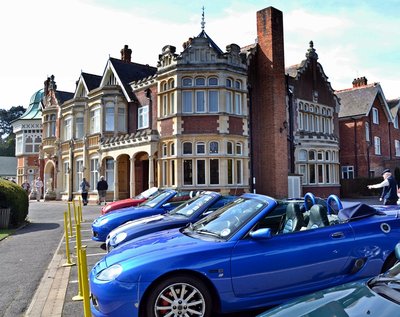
(102, 187)
(84, 191)
(389, 185)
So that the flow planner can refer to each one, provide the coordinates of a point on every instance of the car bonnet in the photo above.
(155, 245)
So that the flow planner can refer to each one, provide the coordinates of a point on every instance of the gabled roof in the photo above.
(91, 81)
(63, 96)
(127, 72)
(295, 71)
(87, 82)
(212, 44)
(394, 105)
(358, 101)
(34, 109)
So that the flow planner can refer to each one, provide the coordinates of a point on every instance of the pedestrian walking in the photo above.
(389, 185)
(38, 188)
(102, 187)
(26, 186)
(84, 191)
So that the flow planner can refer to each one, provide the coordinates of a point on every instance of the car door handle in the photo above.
(337, 235)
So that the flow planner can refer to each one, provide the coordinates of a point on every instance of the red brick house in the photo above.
(369, 131)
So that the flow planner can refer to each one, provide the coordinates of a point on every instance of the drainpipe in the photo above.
(355, 149)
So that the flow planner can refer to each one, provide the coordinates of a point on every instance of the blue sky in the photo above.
(65, 37)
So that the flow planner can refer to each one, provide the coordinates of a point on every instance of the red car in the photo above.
(129, 202)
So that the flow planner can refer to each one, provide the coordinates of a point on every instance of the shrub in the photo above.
(14, 197)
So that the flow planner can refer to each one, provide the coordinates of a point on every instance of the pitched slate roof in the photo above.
(394, 106)
(358, 101)
(92, 81)
(63, 96)
(128, 72)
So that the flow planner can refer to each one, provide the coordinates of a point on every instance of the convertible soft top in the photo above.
(358, 211)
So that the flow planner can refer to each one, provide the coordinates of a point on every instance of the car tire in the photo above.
(180, 295)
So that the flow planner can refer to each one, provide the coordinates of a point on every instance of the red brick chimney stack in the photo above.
(360, 82)
(126, 54)
(268, 106)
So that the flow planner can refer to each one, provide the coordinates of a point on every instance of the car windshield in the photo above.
(151, 203)
(191, 206)
(147, 193)
(227, 220)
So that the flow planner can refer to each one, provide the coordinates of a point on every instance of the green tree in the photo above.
(7, 137)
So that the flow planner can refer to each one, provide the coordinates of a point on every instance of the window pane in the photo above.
(228, 101)
(214, 171)
(200, 81)
(187, 148)
(186, 82)
(200, 104)
(230, 171)
(187, 101)
(238, 172)
(213, 148)
(229, 146)
(200, 148)
(187, 172)
(213, 101)
(201, 172)
(213, 81)
(110, 118)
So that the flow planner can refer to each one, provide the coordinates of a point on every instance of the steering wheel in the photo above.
(331, 200)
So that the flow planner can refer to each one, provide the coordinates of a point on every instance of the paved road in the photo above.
(25, 256)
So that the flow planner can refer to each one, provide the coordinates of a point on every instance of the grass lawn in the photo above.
(4, 233)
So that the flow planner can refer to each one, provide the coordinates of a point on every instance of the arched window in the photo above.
(311, 155)
(229, 147)
(200, 81)
(213, 147)
(187, 148)
(238, 84)
(228, 82)
(187, 82)
(303, 155)
(213, 81)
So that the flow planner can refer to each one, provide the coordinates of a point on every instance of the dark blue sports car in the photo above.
(159, 204)
(188, 212)
(252, 253)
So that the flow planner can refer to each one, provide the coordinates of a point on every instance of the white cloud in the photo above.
(64, 37)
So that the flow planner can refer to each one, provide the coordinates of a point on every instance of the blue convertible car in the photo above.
(252, 253)
(376, 297)
(188, 212)
(159, 204)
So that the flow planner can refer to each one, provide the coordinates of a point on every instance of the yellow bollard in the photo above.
(79, 260)
(80, 210)
(76, 216)
(70, 220)
(69, 262)
(85, 284)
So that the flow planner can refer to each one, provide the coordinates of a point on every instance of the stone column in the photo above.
(132, 178)
(116, 187)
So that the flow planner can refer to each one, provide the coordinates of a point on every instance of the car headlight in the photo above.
(103, 221)
(119, 238)
(110, 273)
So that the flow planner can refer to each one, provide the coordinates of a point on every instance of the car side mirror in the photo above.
(261, 234)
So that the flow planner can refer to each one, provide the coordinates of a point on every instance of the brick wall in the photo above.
(200, 124)
(268, 110)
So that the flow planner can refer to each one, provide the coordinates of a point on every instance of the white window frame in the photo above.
(377, 145)
(79, 126)
(67, 128)
(143, 117)
(109, 114)
(121, 113)
(95, 121)
(187, 101)
(397, 147)
(375, 115)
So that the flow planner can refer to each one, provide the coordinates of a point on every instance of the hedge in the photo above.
(14, 197)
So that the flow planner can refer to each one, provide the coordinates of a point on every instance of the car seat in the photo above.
(318, 217)
(294, 218)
